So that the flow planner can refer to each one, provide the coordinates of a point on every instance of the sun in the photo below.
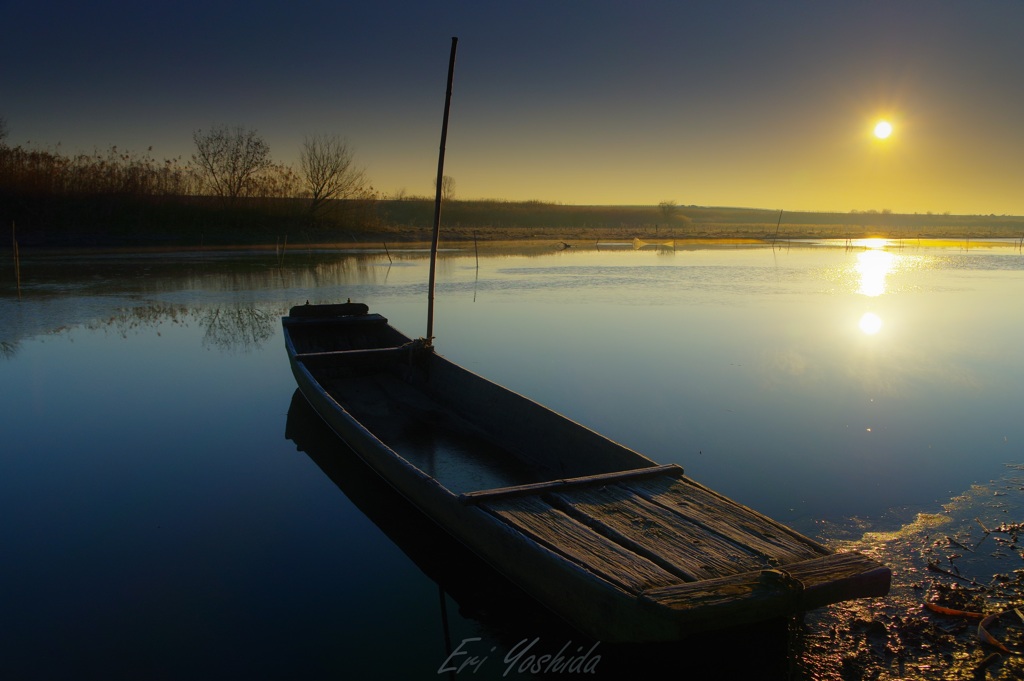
(870, 323)
(883, 129)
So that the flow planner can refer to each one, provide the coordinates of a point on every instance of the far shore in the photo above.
(546, 238)
(43, 224)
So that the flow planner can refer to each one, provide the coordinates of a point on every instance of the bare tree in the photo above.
(327, 171)
(668, 209)
(4, 131)
(230, 158)
(447, 187)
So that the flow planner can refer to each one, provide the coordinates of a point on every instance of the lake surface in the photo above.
(168, 510)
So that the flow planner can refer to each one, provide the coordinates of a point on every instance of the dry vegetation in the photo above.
(118, 198)
(956, 609)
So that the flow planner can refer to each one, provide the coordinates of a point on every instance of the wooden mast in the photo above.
(437, 195)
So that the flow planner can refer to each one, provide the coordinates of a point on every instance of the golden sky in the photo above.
(768, 105)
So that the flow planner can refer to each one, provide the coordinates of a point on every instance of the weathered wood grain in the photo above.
(657, 533)
(755, 595)
(725, 517)
(564, 535)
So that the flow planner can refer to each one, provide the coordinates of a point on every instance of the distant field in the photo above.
(495, 220)
(201, 222)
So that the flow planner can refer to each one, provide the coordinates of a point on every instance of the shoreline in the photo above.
(388, 242)
(503, 238)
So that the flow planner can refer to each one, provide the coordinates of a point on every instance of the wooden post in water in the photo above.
(17, 259)
(777, 225)
(437, 196)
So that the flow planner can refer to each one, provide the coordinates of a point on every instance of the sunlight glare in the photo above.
(883, 129)
(873, 266)
(871, 242)
(870, 323)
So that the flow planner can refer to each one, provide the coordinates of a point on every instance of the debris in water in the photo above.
(970, 622)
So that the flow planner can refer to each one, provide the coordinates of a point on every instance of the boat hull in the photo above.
(621, 548)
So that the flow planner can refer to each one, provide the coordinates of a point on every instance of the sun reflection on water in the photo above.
(873, 266)
(870, 323)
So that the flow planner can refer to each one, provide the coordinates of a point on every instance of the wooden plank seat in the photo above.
(670, 469)
(354, 353)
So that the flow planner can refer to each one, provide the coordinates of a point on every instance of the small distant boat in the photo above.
(620, 547)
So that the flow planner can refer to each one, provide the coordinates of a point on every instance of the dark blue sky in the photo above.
(767, 104)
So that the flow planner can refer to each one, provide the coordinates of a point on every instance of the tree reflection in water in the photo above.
(239, 329)
(8, 349)
(126, 320)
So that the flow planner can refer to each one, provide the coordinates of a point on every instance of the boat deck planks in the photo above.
(723, 516)
(619, 531)
(539, 520)
(803, 586)
(656, 532)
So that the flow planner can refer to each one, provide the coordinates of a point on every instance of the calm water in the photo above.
(168, 512)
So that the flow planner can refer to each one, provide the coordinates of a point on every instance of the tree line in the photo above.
(231, 181)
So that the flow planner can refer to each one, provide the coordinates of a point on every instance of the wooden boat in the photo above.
(622, 548)
(500, 607)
